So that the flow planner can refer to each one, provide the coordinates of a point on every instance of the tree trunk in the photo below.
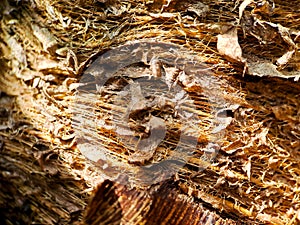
(149, 112)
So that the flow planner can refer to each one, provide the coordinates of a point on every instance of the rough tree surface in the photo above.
(251, 48)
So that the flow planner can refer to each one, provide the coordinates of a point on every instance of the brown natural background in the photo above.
(251, 46)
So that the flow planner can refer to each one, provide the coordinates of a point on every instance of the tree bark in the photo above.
(250, 49)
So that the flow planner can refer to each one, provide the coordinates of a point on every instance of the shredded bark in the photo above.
(47, 46)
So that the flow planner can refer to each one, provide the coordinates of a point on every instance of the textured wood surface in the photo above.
(45, 48)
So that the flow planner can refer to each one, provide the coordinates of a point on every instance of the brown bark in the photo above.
(46, 46)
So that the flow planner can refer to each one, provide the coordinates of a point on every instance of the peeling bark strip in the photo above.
(115, 204)
(153, 122)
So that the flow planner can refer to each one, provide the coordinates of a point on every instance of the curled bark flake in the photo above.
(229, 46)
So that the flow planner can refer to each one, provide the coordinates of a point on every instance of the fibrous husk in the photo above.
(45, 47)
